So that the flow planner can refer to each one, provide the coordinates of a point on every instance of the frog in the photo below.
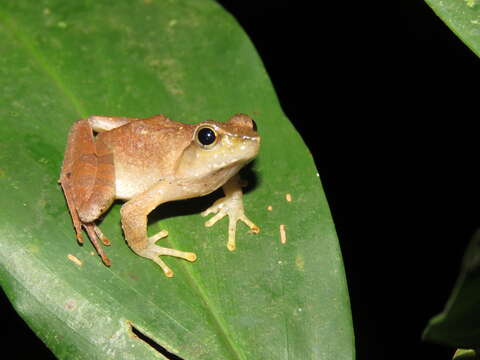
(146, 162)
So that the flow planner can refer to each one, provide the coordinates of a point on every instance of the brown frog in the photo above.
(148, 162)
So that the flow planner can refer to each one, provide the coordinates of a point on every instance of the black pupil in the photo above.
(206, 136)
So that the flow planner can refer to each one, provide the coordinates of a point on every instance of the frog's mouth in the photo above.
(233, 167)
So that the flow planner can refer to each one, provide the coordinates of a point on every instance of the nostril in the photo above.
(254, 125)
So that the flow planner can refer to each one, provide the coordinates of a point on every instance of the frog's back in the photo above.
(145, 151)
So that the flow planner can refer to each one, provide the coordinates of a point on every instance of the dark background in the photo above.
(383, 98)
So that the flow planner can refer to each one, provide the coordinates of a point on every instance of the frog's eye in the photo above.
(206, 136)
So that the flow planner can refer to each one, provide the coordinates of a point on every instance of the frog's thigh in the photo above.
(102, 189)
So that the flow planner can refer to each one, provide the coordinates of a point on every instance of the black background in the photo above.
(385, 100)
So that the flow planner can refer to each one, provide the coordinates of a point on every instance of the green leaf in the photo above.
(459, 323)
(61, 61)
(465, 354)
(462, 17)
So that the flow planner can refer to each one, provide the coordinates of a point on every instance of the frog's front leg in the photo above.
(231, 205)
(134, 223)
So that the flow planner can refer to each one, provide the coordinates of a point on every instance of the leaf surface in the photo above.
(459, 323)
(62, 61)
(462, 17)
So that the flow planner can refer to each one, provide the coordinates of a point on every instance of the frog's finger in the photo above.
(154, 252)
(215, 218)
(177, 253)
(218, 205)
(254, 228)
(168, 272)
(160, 235)
(232, 228)
(214, 209)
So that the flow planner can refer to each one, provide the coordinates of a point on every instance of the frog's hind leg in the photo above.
(80, 144)
(101, 236)
(77, 224)
(91, 230)
(99, 183)
(87, 179)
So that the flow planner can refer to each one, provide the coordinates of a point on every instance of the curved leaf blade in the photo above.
(462, 17)
(191, 61)
(459, 323)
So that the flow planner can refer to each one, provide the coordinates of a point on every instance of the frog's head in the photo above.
(218, 146)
